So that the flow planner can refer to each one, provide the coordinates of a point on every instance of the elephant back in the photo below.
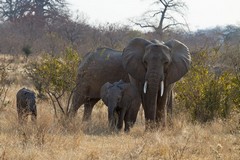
(24, 93)
(101, 66)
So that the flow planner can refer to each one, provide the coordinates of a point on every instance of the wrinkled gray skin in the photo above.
(122, 99)
(103, 65)
(153, 62)
(26, 105)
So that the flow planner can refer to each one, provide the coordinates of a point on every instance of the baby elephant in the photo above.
(123, 103)
(26, 105)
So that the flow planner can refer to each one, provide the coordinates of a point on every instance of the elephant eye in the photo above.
(166, 63)
(145, 63)
(119, 99)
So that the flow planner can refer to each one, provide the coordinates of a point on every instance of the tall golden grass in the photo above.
(51, 139)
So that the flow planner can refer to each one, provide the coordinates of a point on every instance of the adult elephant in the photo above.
(153, 67)
(97, 68)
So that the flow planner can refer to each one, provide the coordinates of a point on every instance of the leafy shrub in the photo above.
(55, 76)
(205, 93)
(236, 91)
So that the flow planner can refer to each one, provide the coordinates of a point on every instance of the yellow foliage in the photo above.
(55, 74)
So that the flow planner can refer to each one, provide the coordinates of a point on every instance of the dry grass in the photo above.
(50, 139)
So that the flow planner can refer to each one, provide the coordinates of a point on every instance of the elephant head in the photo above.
(155, 65)
(111, 95)
(27, 100)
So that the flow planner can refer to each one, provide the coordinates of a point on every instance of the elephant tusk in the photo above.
(145, 87)
(162, 88)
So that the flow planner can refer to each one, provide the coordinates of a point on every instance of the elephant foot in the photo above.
(86, 118)
(150, 126)
(113, 130)
(127, 130)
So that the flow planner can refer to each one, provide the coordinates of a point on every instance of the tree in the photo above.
(45, 9)
(55, 76)
(166, 15)
(12, 10)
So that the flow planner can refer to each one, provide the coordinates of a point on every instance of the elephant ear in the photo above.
(132, 58)
(104, 91)
(118, 83)
(181, 60)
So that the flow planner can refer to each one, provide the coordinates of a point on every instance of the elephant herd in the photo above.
(143, 73)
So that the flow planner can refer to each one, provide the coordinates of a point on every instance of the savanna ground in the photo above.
(51, 139)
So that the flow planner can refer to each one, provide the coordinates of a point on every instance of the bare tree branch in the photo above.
(145, 26)
(54, 106)
(12, 10)
(69, 99)
(162, 18)
(58, 102)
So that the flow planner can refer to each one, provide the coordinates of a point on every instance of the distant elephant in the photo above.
(122, 99)
(103, 65)
(154, 67)
(26, 105)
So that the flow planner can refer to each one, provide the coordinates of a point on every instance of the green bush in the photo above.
(236, 91)
(204, 93)
(55, 76)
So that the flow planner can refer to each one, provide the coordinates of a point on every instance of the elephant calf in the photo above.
(26, 105)
(123, 101)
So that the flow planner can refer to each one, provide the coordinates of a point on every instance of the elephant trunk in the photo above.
(154, 84)
(151, 99)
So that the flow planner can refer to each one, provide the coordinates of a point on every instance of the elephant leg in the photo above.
(161, 113)
(88, 107)
(121, 117)
(24, 118)
(34, 117)
(170, 103)
(170, 100)
(78, 99)
(21, 116)
(76, 104)
(133, 112)
(128, 122)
